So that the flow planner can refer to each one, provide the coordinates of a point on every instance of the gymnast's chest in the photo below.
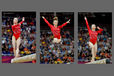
(93, 33)
(16, 27)
(56, 29)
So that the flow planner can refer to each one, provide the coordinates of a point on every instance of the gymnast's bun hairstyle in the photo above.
(55, 18)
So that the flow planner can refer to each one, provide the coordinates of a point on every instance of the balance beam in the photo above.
(26, 58)
(103, 61)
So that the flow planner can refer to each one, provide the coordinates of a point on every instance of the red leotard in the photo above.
(17, 30)
(93, 34)
(55, 31)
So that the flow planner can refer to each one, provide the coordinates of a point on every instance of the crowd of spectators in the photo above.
(52, 53)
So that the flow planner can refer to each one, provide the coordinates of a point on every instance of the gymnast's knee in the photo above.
(93, 47)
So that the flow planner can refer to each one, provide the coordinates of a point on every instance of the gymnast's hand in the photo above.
(43, 17)
(23, 19)
(85, 18)
(68, 21)
(98, 27)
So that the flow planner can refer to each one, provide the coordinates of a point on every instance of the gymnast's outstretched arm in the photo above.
(64, 24)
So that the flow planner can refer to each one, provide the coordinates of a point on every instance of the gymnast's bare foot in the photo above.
(17, 56)
(92, 60)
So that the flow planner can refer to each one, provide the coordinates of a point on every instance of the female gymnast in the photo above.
(16, 40)
(56, 29)
(93, 38)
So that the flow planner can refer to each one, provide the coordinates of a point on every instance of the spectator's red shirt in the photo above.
(93, 34)
(83, 55)
(72, 60)
(11, 49)
(55, 31)
(32, 23)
